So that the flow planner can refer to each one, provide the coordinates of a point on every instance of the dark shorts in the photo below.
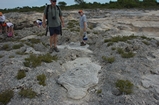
(40, 23)
(54, 30)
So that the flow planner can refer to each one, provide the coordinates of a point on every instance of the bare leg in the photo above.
(55, 40)
(51, 40)
(0, 29)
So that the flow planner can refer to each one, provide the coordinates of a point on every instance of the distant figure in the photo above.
(83, 27)
(2, 23)
(38, 22)
(10, 29)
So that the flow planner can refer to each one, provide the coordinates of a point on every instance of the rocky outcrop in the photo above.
(83, 75)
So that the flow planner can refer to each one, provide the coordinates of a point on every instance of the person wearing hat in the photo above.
(83, 27)
(2, 22)
(55, 21)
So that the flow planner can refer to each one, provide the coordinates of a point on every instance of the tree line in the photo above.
(119, 4)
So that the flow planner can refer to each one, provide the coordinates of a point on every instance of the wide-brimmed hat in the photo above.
(0, 13)
(80, 11)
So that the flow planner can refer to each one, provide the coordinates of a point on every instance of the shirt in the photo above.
(2, 18)
(54, 14)
(9, 24)
(82, 20)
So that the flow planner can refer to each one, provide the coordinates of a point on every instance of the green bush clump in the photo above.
(17, 46)
(34, 61)
(99, 91)
(6, 96)
(41, 78)
(72, 24)
(108, 59)
(5, 47)
(125, 54)
(124, 86)
(1, 56)
(34, 41)
(128, 55)
(27, 93)
(120, 38)
(21, 74)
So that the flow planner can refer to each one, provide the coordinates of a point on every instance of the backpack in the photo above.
(47, 8)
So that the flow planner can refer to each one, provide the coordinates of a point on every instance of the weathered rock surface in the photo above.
(80, 76)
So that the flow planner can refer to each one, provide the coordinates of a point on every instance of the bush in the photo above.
(124, 86)
(21, 74)
(6, 96)
(41, 78)
(17, 46)
(108, 59)
(34, 61)
(28, 93)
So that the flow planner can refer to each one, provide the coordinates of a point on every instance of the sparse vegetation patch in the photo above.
(34, 60)
(108, 59)
(17, 46)
(21, 74)
(6, 96)
(27, 93)
(41, 78)
(124, 86)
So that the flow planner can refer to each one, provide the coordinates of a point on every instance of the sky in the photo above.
(21, 3)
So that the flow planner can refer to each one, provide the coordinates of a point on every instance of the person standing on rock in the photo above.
(83, 27)
(54, 18)
(2, 23)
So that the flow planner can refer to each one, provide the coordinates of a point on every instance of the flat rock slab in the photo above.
(151, 81)
(76, 46)
(80, 75)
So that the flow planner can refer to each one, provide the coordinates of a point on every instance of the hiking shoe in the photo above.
(56, 49)
(50, 50)
(83, 44)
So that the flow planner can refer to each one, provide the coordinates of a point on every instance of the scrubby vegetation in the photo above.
(34, 60)
(41, 78)
(27, 93)
(17, 46)
(21, 74)
(108, 59)
(6, 96)
(124, 86)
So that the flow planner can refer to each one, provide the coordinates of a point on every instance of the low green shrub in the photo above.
(5, 47)
(108, 59)
(34, 60)
(99, 91)
(21, 74)
(41, 78)
(127, 54)
(17, 46)
(6, 96)
(27, 93)
(34, 41)
(124, 86)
